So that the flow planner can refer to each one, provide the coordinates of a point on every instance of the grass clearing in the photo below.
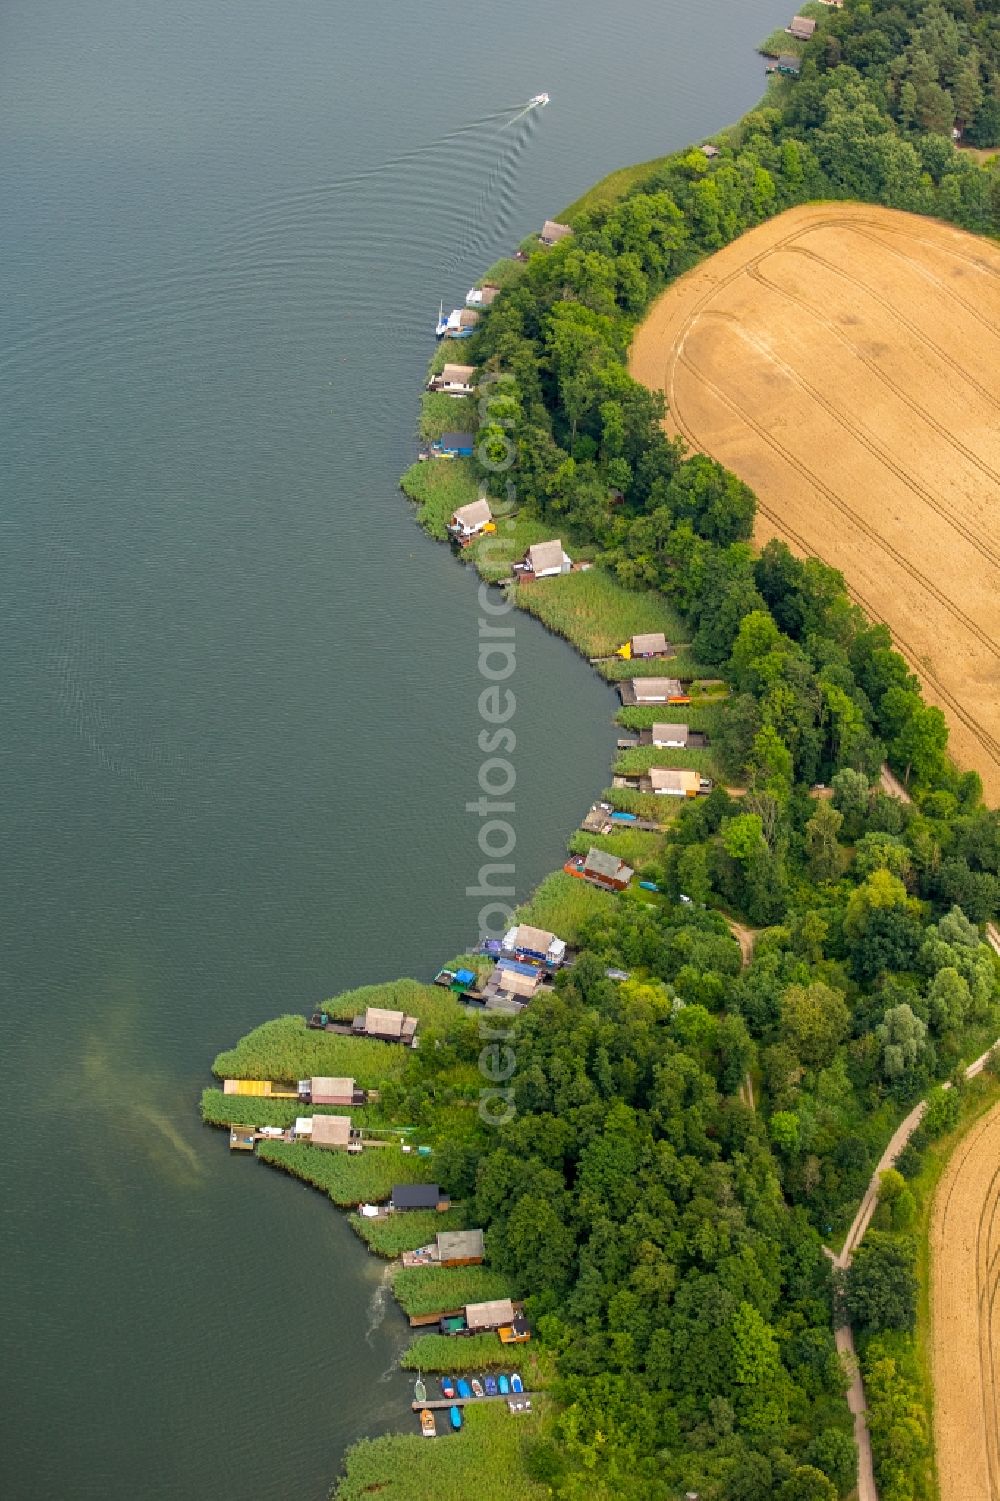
(348, 1180)
(438, 487)
(440, 413)
(613, 188)
(502, 273)
(286, 1050)
(443, 1353)
(635, 762)
(701, 715)
(435, 1289)
(643, 804)
(396, 1233)
(778, 42)
(683, 665)
(485, 1462)
(435, 1006)
(218, 1109)
(595, 612)
(637, 847)
(494, 556)
(562, 904)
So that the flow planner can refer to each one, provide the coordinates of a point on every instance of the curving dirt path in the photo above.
(745, 937)
(842, 360)
(965, 1317)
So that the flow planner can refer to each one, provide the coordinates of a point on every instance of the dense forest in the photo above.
(667, 1226)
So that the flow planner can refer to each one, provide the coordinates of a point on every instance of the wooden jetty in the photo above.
(422, 1320)
(468, 1401)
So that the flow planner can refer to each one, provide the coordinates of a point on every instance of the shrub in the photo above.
(881, 1284)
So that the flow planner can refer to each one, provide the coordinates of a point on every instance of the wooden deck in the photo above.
(446, 1402)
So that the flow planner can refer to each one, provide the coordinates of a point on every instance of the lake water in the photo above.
(239, 708)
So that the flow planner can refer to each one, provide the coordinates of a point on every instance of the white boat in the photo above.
(538, 101)
(442, 323)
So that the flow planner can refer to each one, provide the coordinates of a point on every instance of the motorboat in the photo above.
(538, 101)
(428, 1427)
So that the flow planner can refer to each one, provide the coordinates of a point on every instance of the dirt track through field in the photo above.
(965, 1317)
(843, 360)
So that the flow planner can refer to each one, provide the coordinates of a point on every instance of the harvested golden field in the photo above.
(844, 360)
(965, 1317)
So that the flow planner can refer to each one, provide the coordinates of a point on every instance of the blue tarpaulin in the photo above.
(517, 966)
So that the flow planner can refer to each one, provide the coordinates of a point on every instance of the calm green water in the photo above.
(239, 708)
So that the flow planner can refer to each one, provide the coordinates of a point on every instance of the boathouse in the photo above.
(605, 870)
(534, 945)
(454, 380)
(552, 232)
(407, 1196)
(483, 296)
(454, 446)
(461, 323)
(669, 781)
(801, 28)
(468, 521)
(511, 986)
(484, 1316)
(545, 560)
(329, 1091)
(459, 1248)
(387, 1026)
(676, 737)
(332, 1132)
(709, 150)
(651, 644)
(787, 63)
(652, 691)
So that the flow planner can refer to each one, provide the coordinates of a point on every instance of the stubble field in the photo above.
(844, 360)
(965, 1317)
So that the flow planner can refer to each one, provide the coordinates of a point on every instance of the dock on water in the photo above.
(445, 1402)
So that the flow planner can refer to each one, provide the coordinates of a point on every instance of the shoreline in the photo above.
(594, 611)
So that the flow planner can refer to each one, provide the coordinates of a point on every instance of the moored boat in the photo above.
(447, 1387)
(456, 1417)
(464, 1390)
(490, 1383)
(428, 1427)
(477, 1387)
(516, 1384)
(503, 1385)
(419, 1391)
